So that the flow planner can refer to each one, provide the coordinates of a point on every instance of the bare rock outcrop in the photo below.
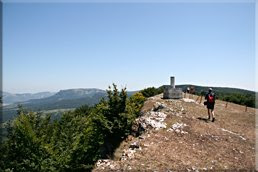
(173, 135)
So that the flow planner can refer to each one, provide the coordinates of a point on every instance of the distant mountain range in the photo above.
(70, 98)
(9, 98)
(73, 98)
(64, 99)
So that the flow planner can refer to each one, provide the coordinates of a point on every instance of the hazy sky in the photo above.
(53, 46)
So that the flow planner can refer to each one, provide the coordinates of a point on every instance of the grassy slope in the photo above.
(212, 146)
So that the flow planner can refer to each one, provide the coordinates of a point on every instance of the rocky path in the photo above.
(173, 135)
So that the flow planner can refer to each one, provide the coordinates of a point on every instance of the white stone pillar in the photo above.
(172, 81)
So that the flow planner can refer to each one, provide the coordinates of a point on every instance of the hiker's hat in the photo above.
(210, 89)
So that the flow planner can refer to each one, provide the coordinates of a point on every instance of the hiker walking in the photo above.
(210, 102)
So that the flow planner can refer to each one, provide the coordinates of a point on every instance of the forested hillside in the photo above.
(74, 142)
(234, 95)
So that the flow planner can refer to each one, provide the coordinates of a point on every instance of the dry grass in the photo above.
(227, 144)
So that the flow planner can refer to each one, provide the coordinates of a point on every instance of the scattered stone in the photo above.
(215, 137)
(158, 106)
(129, 168)
(188, 100)
(183, 111)
(151, 120)
(129, 138)
(141, 137)
(146, 145)
(178, 128)
(128, 154)
(107, 164)
(134, 145)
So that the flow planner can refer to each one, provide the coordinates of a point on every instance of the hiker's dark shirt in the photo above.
(210, 105)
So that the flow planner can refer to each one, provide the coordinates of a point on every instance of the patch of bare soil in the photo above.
(187, 142)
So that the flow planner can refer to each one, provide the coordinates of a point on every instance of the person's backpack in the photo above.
(211, 98)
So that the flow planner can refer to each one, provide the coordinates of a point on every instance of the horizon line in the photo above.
(74, 88)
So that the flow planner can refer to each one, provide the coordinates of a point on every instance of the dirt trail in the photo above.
(188, 142)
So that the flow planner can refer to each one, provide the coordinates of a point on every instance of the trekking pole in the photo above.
(201, 100)
(246, 108)
(197, 98)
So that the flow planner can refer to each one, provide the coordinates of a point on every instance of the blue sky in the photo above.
(53, 46)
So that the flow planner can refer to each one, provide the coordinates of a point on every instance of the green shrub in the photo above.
(151, 91)
(75, 141)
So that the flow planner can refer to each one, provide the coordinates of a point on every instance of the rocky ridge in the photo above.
(173, 135)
